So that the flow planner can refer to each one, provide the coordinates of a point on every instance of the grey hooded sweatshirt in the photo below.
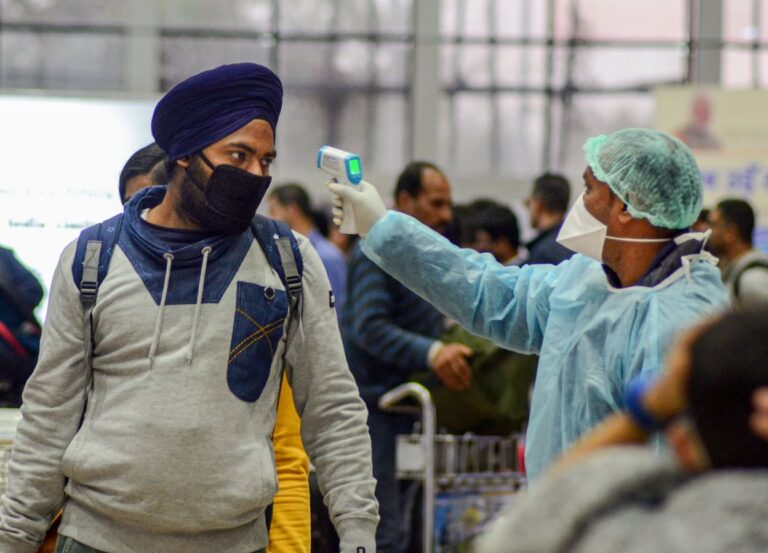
(174, 452)
(632, 500)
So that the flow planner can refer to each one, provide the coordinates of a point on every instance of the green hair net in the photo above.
(653, 173)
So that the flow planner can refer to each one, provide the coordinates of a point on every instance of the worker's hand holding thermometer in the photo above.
(357, 205)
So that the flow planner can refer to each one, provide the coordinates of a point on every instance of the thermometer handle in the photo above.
(349, 224)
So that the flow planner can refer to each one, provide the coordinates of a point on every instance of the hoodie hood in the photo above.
(148, 254)
(195, 273)
(146, 238)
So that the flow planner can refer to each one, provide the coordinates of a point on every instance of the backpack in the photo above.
(761, 263)
(19, 328)
(96, 244)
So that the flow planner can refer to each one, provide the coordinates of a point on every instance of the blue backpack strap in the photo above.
(96, 240)
(89, 268)
(282, 251)
(761, 263)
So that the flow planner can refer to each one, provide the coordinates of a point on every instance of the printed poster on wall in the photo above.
(728, 132)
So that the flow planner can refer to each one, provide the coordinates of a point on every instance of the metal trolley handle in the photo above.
(388, 402)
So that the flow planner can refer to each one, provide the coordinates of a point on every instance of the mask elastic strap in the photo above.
(707, 235)
(206, 160)
(645, 240)
(200, 185)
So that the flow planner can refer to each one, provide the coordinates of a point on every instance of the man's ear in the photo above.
(730, 234)
(183, 162)
(624, 216)
(404, 202)
(293, 210)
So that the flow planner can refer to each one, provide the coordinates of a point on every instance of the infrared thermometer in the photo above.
(347, 169)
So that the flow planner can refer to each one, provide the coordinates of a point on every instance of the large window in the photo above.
(526, 81)
(345, 64)
(522, 83)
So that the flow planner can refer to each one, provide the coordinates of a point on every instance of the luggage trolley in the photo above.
(466, 479)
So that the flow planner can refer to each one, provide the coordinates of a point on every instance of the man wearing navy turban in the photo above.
(218, 125)
(213, 104)
(185, 349)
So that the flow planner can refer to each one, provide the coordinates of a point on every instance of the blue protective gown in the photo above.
(592, 338)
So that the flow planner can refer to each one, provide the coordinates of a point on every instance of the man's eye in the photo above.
(266, 162)
(237, 156)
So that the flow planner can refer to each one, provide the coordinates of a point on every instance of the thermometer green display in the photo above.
(345, 168)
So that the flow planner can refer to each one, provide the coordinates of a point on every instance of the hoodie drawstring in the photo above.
(190, 349)
(159, 319)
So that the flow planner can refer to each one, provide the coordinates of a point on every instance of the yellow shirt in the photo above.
(290, 531)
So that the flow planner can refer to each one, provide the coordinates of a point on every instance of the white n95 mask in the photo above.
(584, 234)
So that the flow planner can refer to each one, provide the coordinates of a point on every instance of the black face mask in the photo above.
(227, 202)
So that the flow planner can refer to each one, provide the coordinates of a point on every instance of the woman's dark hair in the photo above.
(554, 192)
(150, 161)
(729, 361)
(500, 222)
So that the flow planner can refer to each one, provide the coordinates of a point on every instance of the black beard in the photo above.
(223, 202)
(192, 192)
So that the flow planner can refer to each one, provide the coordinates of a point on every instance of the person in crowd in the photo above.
(165, 443)
(324, 222)
(547, 206)
(497, 399)
(290, 523)
(20, 293)
(702, 222)
(389, 332)
(596, 320)
(496, 231)
(607, 494)
(744, 267)
(147, 166)
(344, 242)
(290, 203)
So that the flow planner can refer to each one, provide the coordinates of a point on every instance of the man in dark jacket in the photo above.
(389, 332)
(744, 267)
(547, 206)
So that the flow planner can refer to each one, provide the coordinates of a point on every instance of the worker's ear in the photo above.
(183, 162)
(624, 216)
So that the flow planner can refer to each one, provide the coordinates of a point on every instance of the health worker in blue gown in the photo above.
(597, 320)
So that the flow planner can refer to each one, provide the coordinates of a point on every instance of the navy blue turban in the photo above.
(213, 104)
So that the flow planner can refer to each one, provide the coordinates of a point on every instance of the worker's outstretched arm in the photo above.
(510, 305)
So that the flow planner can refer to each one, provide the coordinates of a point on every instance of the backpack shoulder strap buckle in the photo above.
(89, 284)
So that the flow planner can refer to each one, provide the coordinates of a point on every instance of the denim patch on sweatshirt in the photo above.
(259, 316)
